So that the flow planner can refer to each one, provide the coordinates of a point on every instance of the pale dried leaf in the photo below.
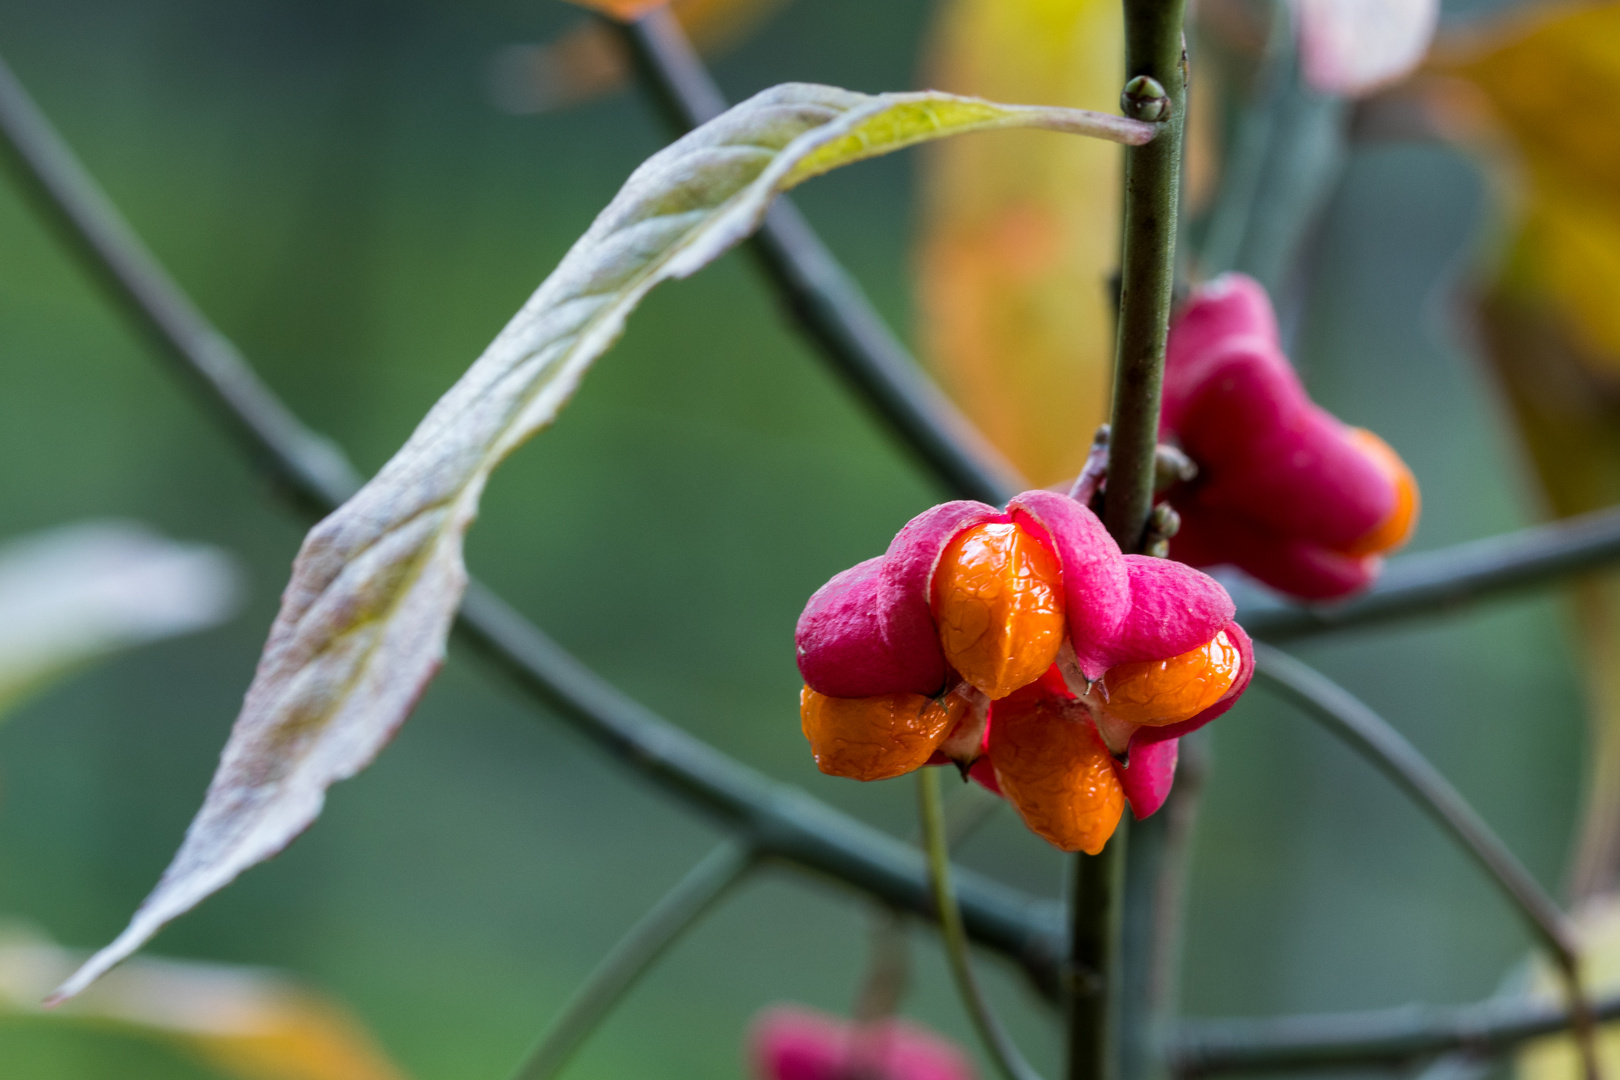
(364, 620)
(71, 594)
(1020, 234)
(1351, 47)
(247, 1022)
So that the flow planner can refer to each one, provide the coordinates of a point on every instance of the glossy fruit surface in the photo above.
(1054, 769)
(1394, 530)
(1159, 692)
(997, 598)
(875, 738)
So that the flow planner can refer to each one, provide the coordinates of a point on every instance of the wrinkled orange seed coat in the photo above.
(1393, 531)
(998, 603)
(1159, 692)
(1055, 771)
(875, 738)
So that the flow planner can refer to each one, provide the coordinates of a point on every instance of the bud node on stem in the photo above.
(1144, 98)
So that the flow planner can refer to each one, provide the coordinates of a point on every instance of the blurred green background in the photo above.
(332, 183)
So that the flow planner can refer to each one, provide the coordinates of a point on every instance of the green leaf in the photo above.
(374, 589)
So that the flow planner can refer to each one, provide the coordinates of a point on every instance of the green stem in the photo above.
(931, 809)
(1351, 720)
(1155, 67)
(1364, 730)
(635, 953)
(1153, 51)
(1094, 970)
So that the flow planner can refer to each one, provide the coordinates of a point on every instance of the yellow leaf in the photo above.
(1553, 87)
(1019, 235)
(248, 1023)
(1546, 88)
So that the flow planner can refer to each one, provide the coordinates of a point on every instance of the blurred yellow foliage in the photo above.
(1020, 233)
(1552, 83)
(1541, 101)
(248, 1023)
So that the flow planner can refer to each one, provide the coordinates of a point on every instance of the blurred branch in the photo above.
(820, 295)
(1343, 714)
(310, 467)
(1241, 178)
(1389, 1037)
(1156, 92)
(997, 1043)
(1367, 733)
(1447, 579)
(703, 887)
(781, 821)
(1155, 902)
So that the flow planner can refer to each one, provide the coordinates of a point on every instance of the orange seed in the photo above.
(1393, 531)
(1055, 770)
(875, 738)
(1159, 692)
(998, 603)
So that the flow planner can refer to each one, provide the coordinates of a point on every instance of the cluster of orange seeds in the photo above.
(998, 605)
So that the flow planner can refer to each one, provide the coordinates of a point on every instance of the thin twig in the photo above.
(1155, 899)
(997, 1043)
(1240, 179)
(1096, 975)
(1156, 90)
(1388, 1037)
(1153, 52)
(634, 954)
(1369, 735)
(822, 298)
(786, 822)
(1347, 717)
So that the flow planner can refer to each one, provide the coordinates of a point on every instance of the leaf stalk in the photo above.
(704, 886)
(997, 1043)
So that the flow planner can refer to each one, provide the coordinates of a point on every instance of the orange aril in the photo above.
(1158, 692)
(1055, 770)
(875, 738)
(1393, 531)
(998, 602)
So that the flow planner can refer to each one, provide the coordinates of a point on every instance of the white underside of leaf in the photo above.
(374, 590)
